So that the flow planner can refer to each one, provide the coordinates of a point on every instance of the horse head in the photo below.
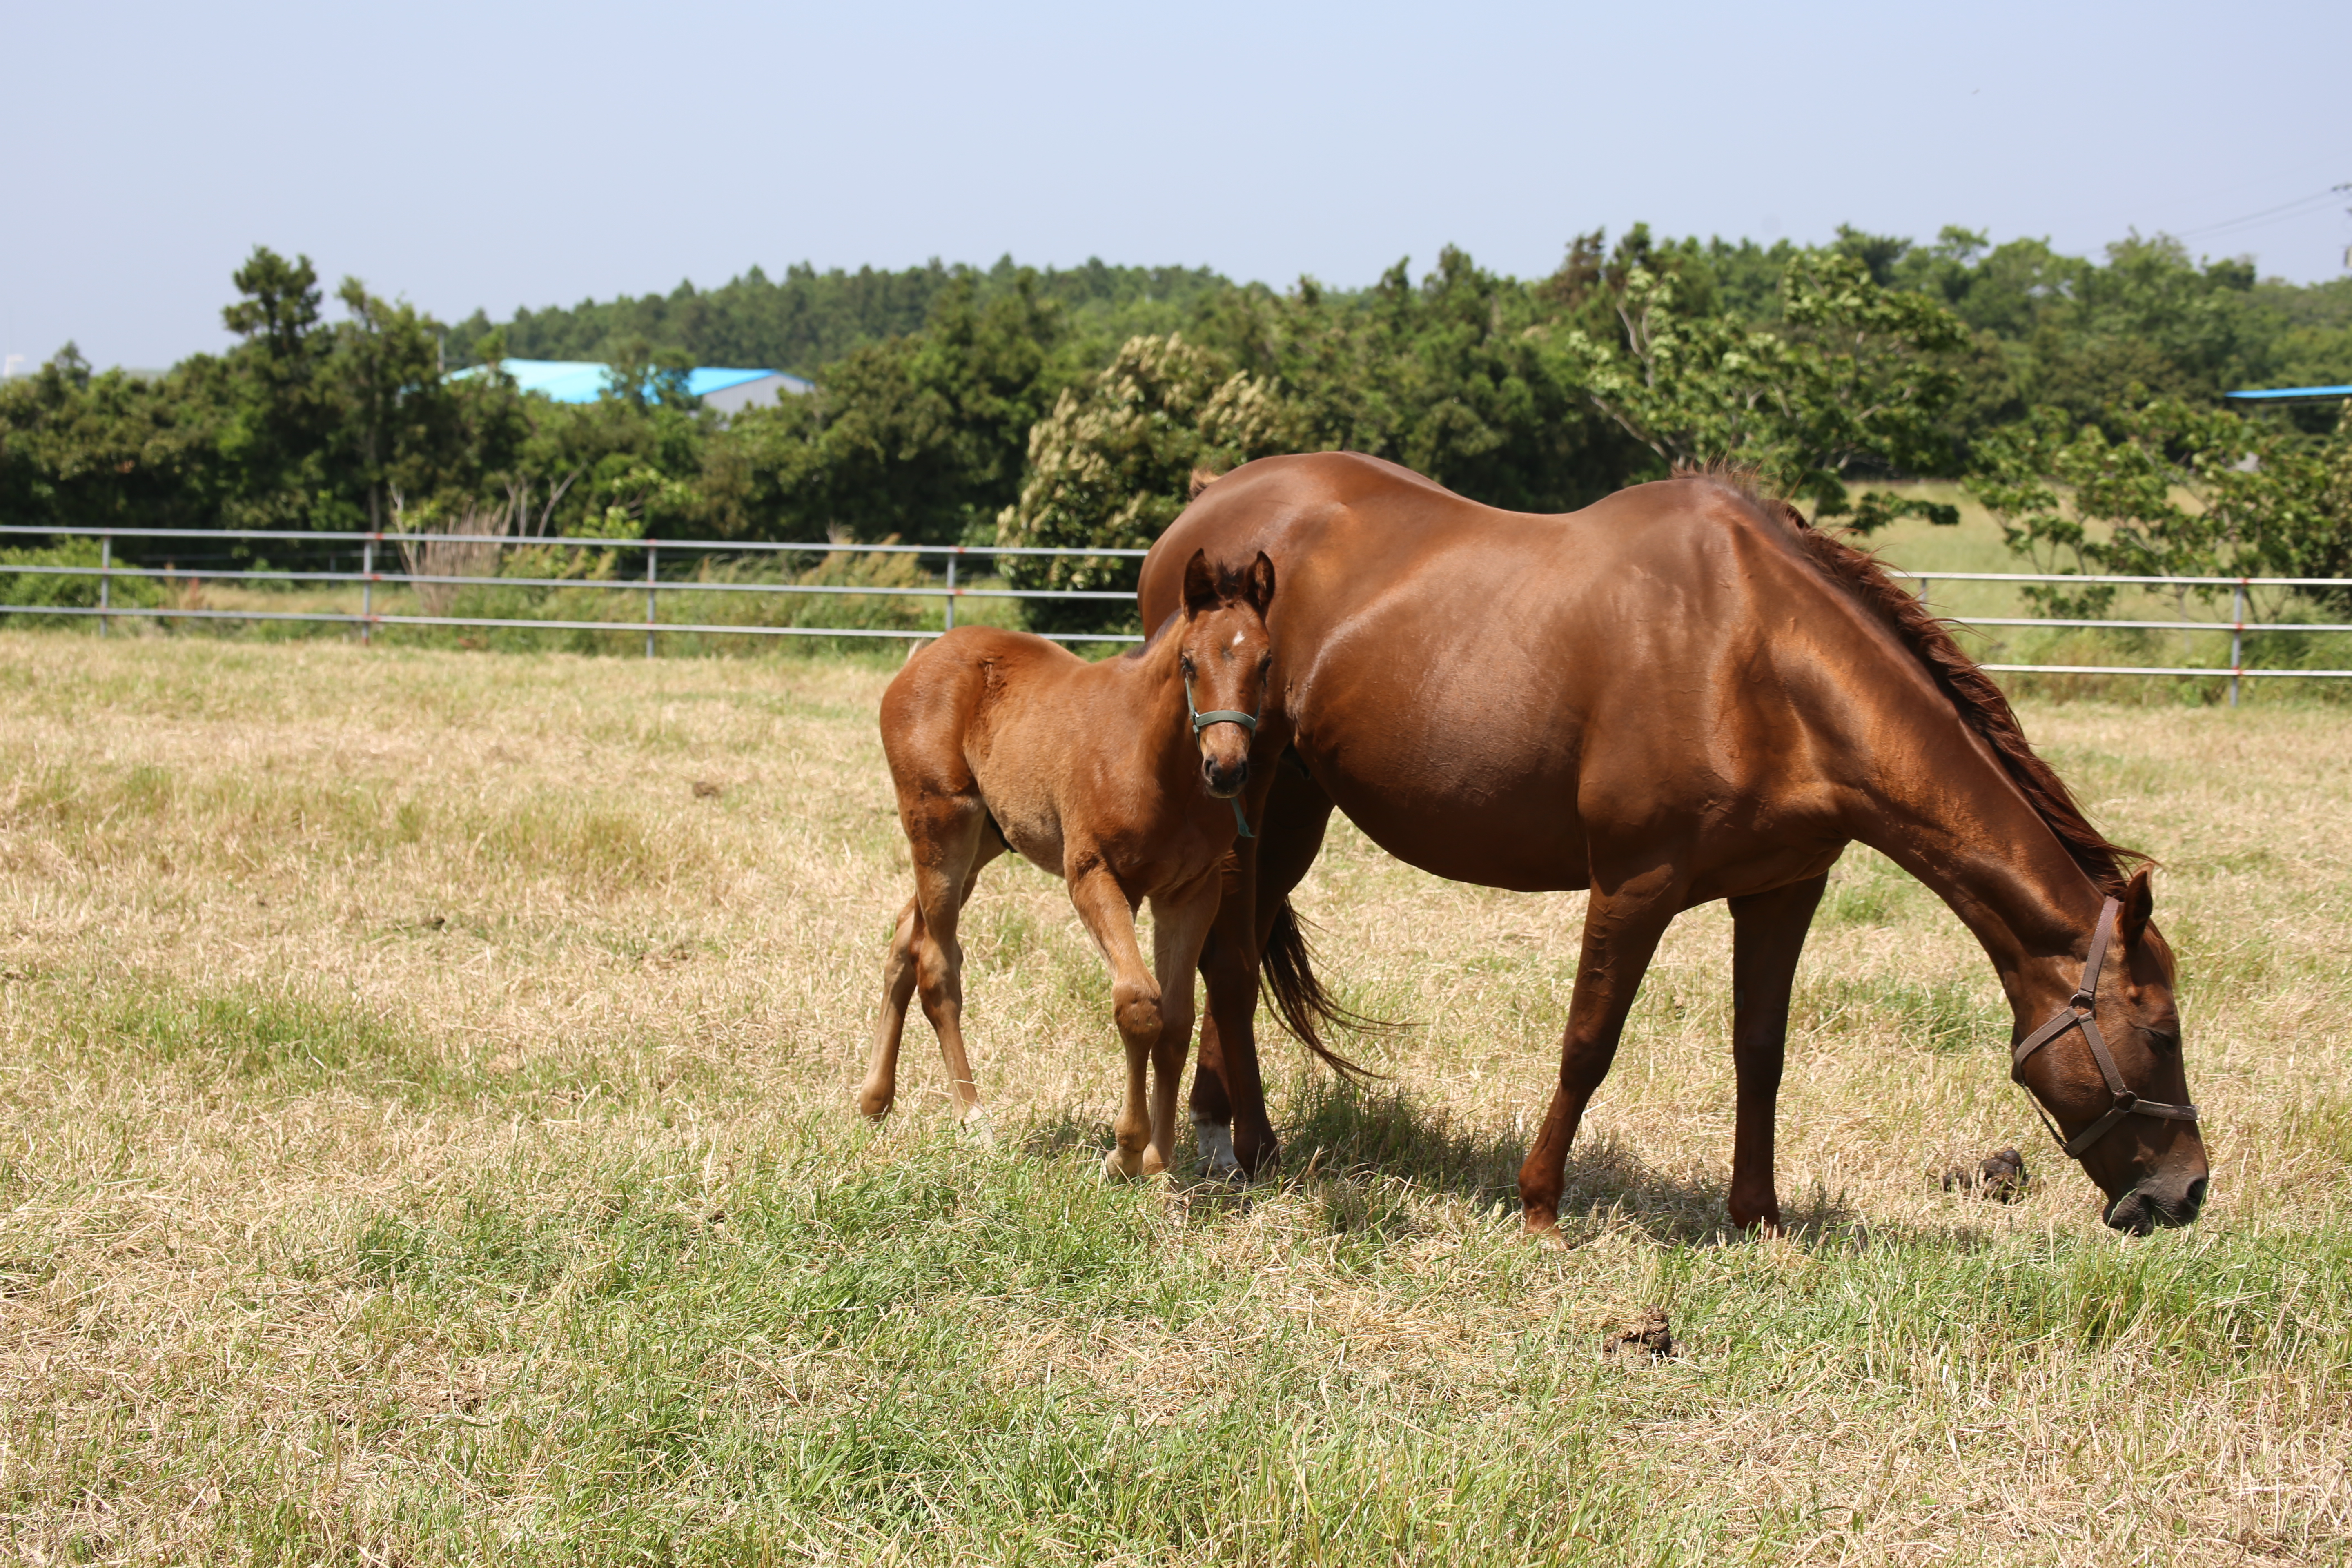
(2106, 1064)
(1224, 654)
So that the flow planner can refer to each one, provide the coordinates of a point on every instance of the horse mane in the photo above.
(1973, 694)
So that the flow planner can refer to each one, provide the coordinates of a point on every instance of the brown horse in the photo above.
(1679, 694)
(1112, 773)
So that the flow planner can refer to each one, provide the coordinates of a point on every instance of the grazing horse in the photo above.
(1681, 693)
(1121, 776)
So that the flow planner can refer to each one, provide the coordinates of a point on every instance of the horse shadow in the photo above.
(1382, 1133)
(1363, 1152)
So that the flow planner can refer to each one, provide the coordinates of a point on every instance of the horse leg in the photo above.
(1622, 928)
(957, 842)
(1768, 932)
(881, 1088)
(1228, 1100)
(1135, 1007)
(1179, 924)
(898, 971)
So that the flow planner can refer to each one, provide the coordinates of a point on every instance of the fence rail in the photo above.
(371, 545)
(651, 585)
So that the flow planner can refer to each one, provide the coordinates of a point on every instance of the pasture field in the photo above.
(425, 1137)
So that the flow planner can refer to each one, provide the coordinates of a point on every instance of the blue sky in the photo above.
(531, 154)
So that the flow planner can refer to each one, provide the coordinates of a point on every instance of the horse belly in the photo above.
(1538, 848)
(1492, 800)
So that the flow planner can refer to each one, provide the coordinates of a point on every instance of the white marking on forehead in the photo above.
(1237, 639)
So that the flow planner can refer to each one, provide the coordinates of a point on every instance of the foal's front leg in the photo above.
(1135, 1004)
(1180, 925)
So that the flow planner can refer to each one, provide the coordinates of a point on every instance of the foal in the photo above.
(1123, 775)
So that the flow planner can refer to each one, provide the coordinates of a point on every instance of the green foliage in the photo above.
(960, 405)
(920, 437)
(1453, 379)
(85, 451)
(55, 588)
(806, 320)
(2178, 491)
(1111, 467)
(1851, 375)
(405, 427)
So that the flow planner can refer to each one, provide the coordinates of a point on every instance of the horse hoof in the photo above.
(1544, 1231)
(1119, 1165)
(1218, 1160)
(976, 1127)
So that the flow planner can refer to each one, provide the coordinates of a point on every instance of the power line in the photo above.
(2282, 210)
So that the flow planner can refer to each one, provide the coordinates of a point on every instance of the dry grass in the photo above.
(424, 1136)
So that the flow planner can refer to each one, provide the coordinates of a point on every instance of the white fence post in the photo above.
(650, 578)
(951, 566)
(367, 591)
(105, 580)
(2237, 637)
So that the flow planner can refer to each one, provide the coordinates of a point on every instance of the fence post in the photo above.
(367, 591)
(650, 601)
(951, 566)
(2237, 636)
(105, 579)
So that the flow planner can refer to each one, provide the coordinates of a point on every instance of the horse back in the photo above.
(980, 718)
(1488, 694)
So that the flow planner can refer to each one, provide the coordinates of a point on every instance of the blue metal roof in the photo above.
(584, 381)
(2288, 393)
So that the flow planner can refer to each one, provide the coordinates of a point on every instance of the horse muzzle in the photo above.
(1226, 780)
(2156, 1203)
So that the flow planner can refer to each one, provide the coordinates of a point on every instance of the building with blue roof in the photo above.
(2288, 394)
(720, 387)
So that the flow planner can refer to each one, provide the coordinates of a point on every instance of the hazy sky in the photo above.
(501, 155)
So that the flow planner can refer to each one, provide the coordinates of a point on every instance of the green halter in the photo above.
(1225, 716)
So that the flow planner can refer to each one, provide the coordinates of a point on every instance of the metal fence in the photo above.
(370, 548)
(2237, 626)
(370, 576)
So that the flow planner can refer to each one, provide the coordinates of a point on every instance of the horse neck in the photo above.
(1942, 807)
(1150, 700)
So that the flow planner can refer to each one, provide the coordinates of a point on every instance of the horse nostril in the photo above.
(2193, 1199)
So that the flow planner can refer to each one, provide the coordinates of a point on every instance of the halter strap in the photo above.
(1248, 722)
(2079, 1014)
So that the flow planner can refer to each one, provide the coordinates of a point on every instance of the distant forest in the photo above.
(806, 320)
(2070, 330)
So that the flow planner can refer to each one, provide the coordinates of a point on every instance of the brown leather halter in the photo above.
(2077, 1014)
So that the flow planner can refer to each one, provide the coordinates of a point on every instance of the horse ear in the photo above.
(2138, 903)
(1200, 584)
(1260, 588)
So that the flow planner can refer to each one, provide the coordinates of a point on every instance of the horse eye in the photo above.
(2164, 1040)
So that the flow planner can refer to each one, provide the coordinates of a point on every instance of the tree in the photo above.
(1112, 465)
(920, 437)
(2183, 490)
(277, 438)
(1852, 376)
(403, 424)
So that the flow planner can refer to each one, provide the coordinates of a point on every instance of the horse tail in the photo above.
(1286, 978)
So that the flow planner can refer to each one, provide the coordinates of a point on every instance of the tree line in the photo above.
(2079, 398)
